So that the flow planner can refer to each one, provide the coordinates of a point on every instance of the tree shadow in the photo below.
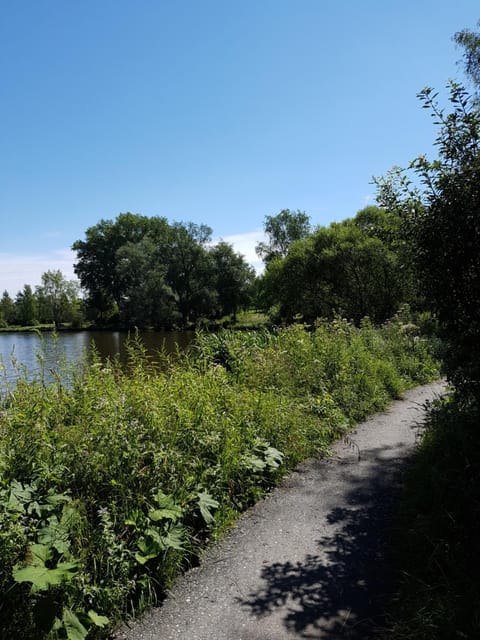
(341, 591)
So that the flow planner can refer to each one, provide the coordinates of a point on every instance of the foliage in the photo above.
(156, 274)
(470, 41)
(438, 530)
(438, 533)
(57, 299)
(282, 230)
(448, 234)
(352, 269)
(26, 307)
(111, 482)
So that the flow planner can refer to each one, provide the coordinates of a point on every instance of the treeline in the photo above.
(144, 271)
(141, 271)
(56, 301)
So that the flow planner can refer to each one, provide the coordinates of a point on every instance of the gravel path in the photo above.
(309, 561)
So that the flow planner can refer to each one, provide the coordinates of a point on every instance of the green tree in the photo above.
(58, 299)
(446, 229)
(470, 42)
(147, 300)
(233, 279)
(189, 270)
(152, 272)
(7, 309)
(96, 265)
(282, 229)
(26, 307)
(349, 269)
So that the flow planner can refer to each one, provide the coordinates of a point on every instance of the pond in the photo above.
(29, 352)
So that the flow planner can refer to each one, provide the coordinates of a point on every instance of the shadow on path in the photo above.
(340, 591)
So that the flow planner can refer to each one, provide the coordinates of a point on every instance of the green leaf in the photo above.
(97, 620)
(39, 554)
(167, 510)
(149, 549)
(205, 503)
(165, 514)
(55, 535)
(19, 495)
(42, 577)
(254, 463)
(174, 538)
(74, 628)
(273, 457)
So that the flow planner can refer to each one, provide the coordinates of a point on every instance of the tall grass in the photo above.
(112, 482)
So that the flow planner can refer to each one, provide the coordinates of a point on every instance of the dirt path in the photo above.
(309, 561)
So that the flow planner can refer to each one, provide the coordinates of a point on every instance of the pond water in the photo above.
(29, 352)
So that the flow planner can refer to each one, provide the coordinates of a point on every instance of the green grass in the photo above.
(113, 479)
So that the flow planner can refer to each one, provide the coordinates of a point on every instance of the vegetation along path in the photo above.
(311, 560)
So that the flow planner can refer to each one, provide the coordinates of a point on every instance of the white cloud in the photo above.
(245, 244)
(18, 270)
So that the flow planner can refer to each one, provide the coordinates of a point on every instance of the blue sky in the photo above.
(212, 111)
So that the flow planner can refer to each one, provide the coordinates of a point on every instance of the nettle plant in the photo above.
(61, 584)
(45, 523)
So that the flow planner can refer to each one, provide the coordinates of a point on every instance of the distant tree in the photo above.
(97, 259)
(233, 279)
(57, 298)
(152, 272)
(26, 307)
(189, 270)
(7, 309)
(343, 269)
(282, 229)
(147, 300)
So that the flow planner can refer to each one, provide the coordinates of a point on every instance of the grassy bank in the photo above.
(112, 480)
(438, 537)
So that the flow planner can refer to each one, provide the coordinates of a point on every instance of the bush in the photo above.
(113, 478)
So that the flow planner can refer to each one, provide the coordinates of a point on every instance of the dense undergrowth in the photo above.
(113, 479)
(438, 536)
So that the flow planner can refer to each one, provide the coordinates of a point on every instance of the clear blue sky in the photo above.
(212, 111)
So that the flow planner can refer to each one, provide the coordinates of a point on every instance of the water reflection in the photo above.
(30, 353)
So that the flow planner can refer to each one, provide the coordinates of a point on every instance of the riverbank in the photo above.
(245, 320)
(114, 482)
(313, 558)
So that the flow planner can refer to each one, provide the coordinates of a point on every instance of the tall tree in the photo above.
(26, 307)
(7, 309)
(96, 265)
(282, 229)
(57, 298)
(447, 232)
(233, 279)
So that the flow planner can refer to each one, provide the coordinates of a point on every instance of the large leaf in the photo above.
(148, 549)
(273, 457)
(42, 577)
(174, 537)
(206, 503)
(19, 495)
(55, 535)
(97, 620)
(74, 628)
(167, 509)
